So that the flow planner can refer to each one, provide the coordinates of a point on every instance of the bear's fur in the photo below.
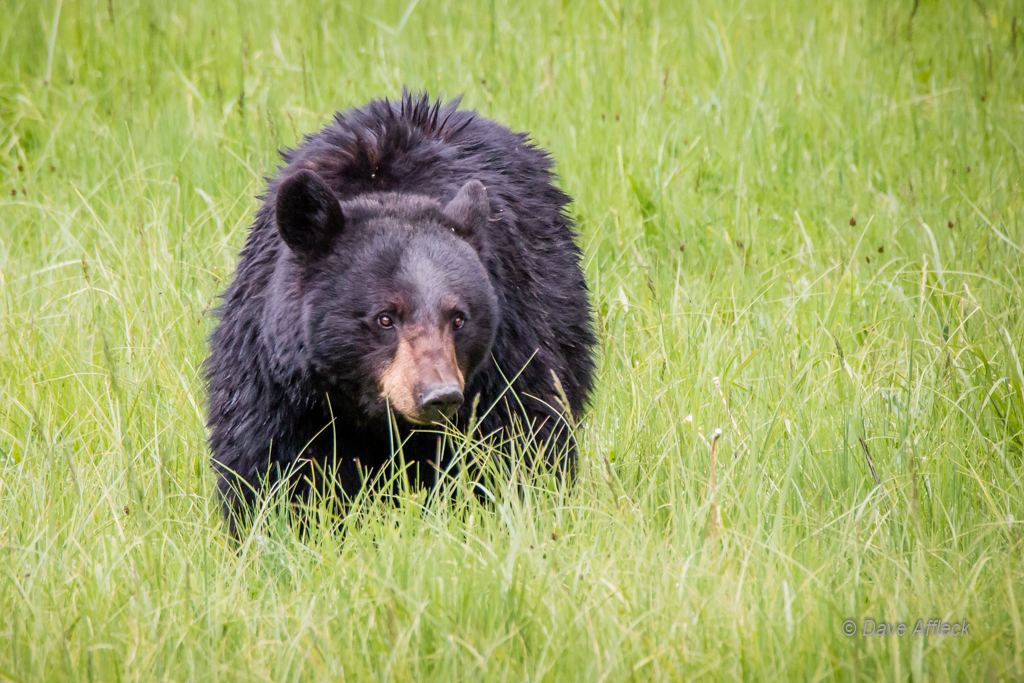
(408, 257)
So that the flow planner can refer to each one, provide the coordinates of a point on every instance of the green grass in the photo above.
(810, 158)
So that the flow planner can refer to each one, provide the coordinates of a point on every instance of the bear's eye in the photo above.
(458, 321)
(386, 321)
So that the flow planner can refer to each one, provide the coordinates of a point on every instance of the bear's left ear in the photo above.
(308, 214)
(469, 210)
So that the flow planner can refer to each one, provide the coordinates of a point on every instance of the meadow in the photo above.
(803, 226)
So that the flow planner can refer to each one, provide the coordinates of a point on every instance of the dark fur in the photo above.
(273, 388)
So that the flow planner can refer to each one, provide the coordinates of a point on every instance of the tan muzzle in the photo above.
(424, 382)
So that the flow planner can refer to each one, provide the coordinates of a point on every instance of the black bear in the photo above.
(410, 260)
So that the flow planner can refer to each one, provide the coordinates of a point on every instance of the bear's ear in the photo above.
(469, 210)
(308, 214)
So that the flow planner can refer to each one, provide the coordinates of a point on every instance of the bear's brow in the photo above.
(413, 208)
(427, 281)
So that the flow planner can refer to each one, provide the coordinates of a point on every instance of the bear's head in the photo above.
(384, 299)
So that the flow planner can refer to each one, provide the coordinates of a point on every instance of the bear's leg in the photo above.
(553, 437)
(237, 499)
(538, 437)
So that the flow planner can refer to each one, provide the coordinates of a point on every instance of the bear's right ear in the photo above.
(469, 210)
(308, 214)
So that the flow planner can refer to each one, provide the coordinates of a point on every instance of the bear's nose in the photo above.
(443, 399)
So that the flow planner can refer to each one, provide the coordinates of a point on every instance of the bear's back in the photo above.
(430, 149)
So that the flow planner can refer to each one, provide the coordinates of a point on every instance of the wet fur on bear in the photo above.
(296, 387)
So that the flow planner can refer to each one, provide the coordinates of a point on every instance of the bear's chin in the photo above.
(379, 414)
(423, 421)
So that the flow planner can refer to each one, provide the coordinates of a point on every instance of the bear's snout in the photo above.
(424, 382)
(440, 401)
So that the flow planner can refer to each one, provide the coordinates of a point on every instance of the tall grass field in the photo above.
(803, 231)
